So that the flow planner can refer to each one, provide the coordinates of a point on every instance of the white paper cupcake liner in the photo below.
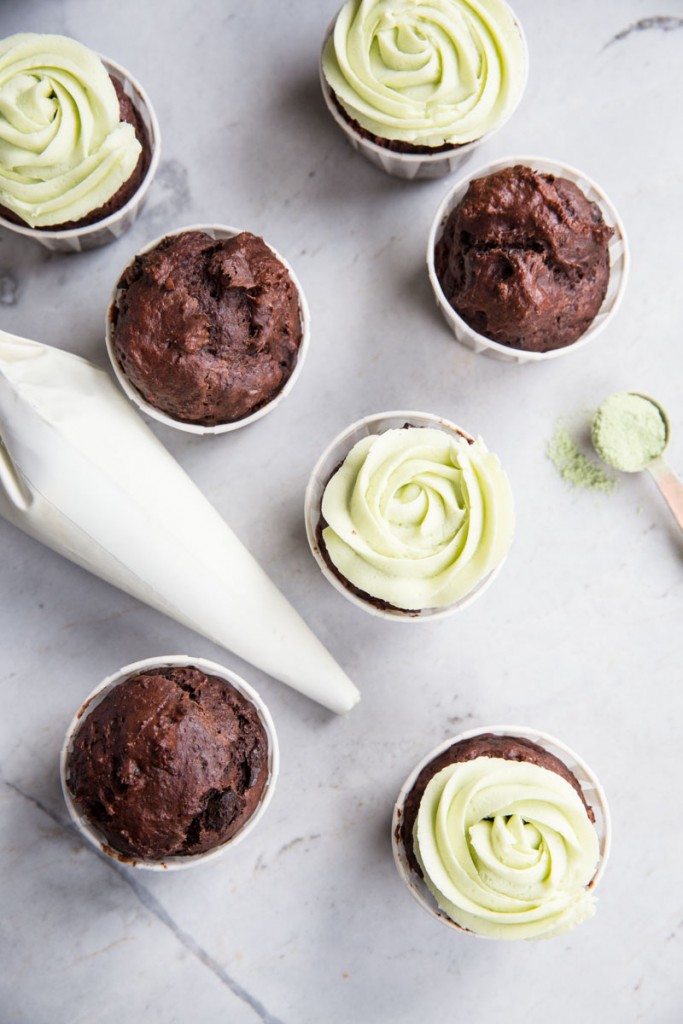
(92, 834)
(590, 786)
(329, 461)
(107, 230)
(618, 254)
(216, 231)
(413, 166)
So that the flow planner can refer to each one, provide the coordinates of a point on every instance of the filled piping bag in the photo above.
(81, 472)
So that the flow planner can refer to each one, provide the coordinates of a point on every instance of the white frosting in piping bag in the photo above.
(81, 472)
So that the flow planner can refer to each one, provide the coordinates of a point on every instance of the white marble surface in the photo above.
(307, 922)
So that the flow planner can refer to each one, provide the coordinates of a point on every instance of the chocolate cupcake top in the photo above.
(172, 762)
(72, 148)
(524, 259)
(207, 330)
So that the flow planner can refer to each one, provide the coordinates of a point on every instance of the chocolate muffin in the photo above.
(172, 762)
(524, 259)
(509, 748)
(207, 330)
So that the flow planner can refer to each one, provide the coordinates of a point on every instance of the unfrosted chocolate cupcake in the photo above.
(207, 328)
(524, 259)
(172, 762)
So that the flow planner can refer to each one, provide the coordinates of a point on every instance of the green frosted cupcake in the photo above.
(503, 833)
(79, 142)
(423, 79)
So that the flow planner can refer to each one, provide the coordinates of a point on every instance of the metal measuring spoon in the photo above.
(631, 437)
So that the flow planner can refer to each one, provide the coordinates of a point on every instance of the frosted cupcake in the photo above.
(414, 85)
(503, 833)
(408, 515)
(78, 140)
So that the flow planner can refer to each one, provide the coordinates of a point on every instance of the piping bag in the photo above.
(81, 472)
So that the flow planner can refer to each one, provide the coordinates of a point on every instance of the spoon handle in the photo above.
(670, 486)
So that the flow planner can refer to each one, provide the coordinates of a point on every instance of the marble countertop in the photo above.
(307, 921)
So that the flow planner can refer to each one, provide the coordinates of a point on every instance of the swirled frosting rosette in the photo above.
(426, 74)
(503, 832)
(417, 517)
(506, 848)
(64, 151)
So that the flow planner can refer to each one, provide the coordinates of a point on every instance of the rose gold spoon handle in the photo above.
(670, 486)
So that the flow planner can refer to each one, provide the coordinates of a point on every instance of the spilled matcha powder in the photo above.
(575, 467)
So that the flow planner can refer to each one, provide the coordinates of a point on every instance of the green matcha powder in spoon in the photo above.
(630, 432)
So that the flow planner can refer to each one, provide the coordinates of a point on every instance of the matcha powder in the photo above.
(575, 467)
(628, 431)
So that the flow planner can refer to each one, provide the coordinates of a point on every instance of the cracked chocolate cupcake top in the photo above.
(207, 330)
(172, 762)
(524, 259)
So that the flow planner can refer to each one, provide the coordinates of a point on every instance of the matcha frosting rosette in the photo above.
(68, 155)
(500, 833)
(412, 518)
(506, 848)
(426, 75)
